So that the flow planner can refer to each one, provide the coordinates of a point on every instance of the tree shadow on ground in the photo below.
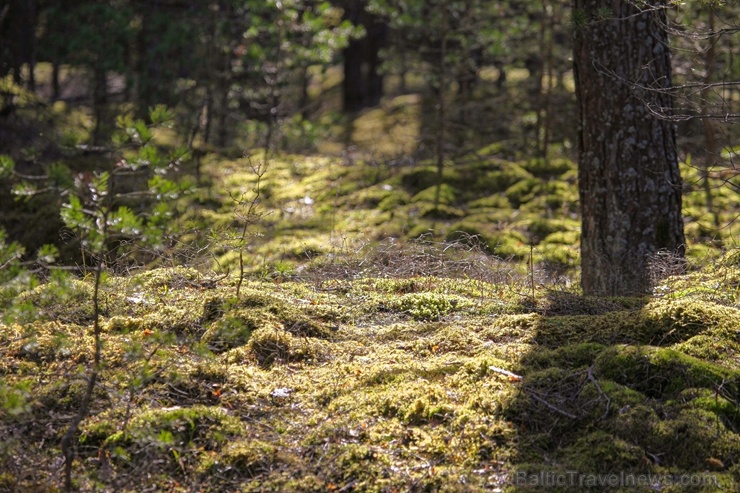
(627, 394)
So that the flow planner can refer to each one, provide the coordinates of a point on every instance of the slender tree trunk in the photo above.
(629, 183)
(441, 109)
(305, 99)
(30, 37)
(68, 450)
(222, 136)
(403, 68)
(549, 60)
(540, 80)
(100, 100)
(207, 117)
(19, 19)
(55, 89)
(378, 33)
(712, 152)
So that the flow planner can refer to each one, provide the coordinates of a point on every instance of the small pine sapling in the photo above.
(248, 213)
(104, 226)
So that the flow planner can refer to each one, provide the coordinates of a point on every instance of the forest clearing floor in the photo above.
(358, 357)
(376, 384)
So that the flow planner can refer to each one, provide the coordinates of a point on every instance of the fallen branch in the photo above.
(513, 377)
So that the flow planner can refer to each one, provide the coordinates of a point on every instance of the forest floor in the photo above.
(358, 359)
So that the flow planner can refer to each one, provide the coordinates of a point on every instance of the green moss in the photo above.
(125, 324)
(601, 453)
(712, 347)
(427, 210)
(452, 339)
(64, 397)
(555, 200)
(394, 200)
(731, 258)
(241, 458)
(175, 319)
(661, 372)
(302, 325)
(501, 180)
(660, 322)
(173, 438)
(356, 463)
(416, 180)
(565, 237)
(271, 344)
(719, 405)
(522, 191)
(386, 384)
(635, 422)
(46, 342)
(541, 228)
(235, 329)
(703, 430)
(68, 301)
(428, 306)
(553, 256)
(571, 356)
(550, 168)
(447, 195)
(498, 201)
(176, 277)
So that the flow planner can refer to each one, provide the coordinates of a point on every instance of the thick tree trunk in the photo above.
(629, 182)
(363, 82)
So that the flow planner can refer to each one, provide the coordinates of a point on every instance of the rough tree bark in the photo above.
(629, 182)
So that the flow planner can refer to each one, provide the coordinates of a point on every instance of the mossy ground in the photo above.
(373, 384)
(357, 359)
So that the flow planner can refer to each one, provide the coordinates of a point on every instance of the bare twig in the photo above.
(550, 406)
(591, 378)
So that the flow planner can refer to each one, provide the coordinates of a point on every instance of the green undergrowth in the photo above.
(383, 384)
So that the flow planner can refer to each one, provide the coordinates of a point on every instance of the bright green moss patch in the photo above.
(427, 306)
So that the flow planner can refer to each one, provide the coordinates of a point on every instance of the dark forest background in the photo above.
(394, 84)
